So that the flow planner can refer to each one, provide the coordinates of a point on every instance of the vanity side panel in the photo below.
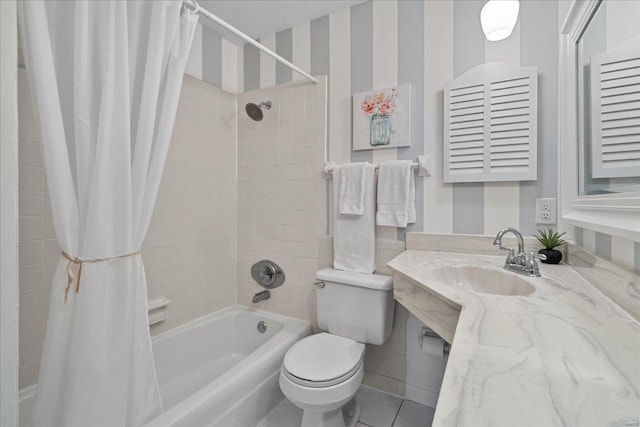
(430, 308)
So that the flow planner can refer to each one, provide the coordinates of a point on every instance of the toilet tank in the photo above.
(355, 305)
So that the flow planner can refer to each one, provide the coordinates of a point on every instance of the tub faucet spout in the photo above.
(261, 296)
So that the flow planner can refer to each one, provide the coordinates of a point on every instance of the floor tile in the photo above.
(377, 408)
(286, 414)
(414, 415)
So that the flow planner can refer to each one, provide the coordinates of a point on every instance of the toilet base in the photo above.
(347, 416)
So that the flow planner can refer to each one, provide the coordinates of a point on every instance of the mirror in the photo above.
(608, 96)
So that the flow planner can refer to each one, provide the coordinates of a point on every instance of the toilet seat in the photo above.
(323, 360)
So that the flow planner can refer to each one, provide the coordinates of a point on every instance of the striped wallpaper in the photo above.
(213, 59)
(378, 44)
(620, 251)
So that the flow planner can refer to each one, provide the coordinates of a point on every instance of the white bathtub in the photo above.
(219, 370)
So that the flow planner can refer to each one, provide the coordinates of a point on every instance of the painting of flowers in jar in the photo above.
(382, 118)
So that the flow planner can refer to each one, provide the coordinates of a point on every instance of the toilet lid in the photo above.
(323, 357)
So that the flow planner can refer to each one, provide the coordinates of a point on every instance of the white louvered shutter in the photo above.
(615, 112)
(466, 130)
(490, 124)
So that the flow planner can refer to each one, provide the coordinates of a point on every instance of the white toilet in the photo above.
(322, 373)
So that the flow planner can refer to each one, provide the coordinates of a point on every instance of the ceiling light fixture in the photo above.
(498, 18)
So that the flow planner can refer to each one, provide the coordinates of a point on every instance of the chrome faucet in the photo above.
(513, 258)
(519, 262)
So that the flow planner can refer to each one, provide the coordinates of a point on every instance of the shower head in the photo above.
(255, 111)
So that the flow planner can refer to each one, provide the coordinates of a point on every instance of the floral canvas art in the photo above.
(382, 118)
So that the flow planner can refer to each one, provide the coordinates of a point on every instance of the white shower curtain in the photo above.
(105, 78)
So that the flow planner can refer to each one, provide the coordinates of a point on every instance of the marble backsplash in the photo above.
(620, 285)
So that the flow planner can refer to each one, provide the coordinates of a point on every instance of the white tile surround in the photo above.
(190, 249)
(386, 365)
(282, 195)
(38, 248)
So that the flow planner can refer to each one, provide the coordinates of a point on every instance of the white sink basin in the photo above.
(483, 280)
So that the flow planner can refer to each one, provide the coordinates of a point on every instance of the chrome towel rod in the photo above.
(422, 166)
(194, 6)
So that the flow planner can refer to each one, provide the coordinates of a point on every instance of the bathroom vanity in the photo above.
(534, 351)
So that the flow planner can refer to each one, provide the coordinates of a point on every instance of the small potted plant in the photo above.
(550, 239)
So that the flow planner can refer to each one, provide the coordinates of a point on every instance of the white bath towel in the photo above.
(354, 246)
(411, 206)
(351, 192)
(396, 194)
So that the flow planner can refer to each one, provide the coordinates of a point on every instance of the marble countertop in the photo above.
(564, 355)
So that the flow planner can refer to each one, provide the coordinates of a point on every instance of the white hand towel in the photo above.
(396, 194)
(354, 246)
(351, 192)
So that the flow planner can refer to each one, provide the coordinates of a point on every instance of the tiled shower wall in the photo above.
(282, 195)
(190, 249)
(38, 248)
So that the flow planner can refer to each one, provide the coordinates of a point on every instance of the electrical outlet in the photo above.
(546, 211)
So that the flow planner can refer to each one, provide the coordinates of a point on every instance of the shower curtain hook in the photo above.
(194, 4)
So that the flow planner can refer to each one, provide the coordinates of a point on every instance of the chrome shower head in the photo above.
(255, 111)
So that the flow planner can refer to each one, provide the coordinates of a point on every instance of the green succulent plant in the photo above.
(550, 239)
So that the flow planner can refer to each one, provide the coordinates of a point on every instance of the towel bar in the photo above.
(422, 166)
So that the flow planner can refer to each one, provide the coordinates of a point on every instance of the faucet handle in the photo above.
(533, 255)
(512, 259)
(531, 265)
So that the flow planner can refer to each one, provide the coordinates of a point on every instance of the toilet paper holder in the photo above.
(429, 333)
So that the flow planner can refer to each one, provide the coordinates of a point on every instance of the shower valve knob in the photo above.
(267, 274)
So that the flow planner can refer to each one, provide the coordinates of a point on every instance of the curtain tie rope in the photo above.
(80, 261)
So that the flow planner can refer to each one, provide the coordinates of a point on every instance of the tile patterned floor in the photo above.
(377, 409)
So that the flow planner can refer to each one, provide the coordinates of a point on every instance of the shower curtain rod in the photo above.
(193, 5)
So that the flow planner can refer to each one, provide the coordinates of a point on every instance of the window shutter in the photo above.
(490, 129)
(615, 112)
(466, 130)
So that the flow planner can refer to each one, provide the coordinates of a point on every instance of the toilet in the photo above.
(322, 373)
